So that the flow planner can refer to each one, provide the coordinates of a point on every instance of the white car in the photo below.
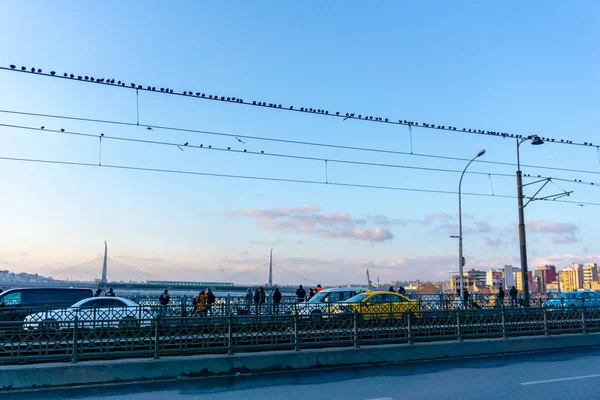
(94, 312)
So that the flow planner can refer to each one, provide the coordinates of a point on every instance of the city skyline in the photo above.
(193, 227)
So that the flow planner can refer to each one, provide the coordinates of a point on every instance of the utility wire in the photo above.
(271, 179)
(322, 112)
(245, 151)
(279, 155)
(296, 142)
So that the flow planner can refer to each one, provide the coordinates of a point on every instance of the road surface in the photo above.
(550, 375)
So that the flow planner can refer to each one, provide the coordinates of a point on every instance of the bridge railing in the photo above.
(78, 337)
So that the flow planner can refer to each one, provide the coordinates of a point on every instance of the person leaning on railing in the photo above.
(500, 297)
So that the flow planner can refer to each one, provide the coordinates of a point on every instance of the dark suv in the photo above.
(15, 304)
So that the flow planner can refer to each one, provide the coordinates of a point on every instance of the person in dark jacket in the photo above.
(466, 298)
(256, 299)
(263, 296)
(513, 296)
(110, 293)
(311, 293)
(164, 300)
(210, 300)
(401, 290)
(276, 300)
(391, 289)
(300, 293)
(500, 297)
(98, 292)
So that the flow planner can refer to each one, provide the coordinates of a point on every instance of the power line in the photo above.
(321, 112)
(296, 142)
(271, 179)
(245, 151)
(289, 156)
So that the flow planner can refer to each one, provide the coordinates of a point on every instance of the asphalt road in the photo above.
(550, 375)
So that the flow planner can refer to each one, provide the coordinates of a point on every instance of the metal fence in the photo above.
(123, 333)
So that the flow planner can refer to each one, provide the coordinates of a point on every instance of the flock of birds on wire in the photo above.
(302, 109)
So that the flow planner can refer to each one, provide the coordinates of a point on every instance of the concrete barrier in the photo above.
(131, 370)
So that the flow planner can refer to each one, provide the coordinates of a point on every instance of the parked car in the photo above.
(382, 305)
(574, 300)
(323, 301)
(92, 313)
(15, 304)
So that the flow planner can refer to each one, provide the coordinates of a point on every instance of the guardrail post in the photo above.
(583, 323)
(156, 338)
(230, 335)
(458, 329)
(504, 331)
(545, 312)
(228, 304)
(75, 333)
(409, 327)
(355, 322)
(296, 341)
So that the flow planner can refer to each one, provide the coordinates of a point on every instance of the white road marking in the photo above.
(561, 379)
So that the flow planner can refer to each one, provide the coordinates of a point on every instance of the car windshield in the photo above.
(567, 296)
(317, 298)
(358, 298)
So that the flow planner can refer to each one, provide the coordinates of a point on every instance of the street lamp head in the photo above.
(537, 141)
(482, 152)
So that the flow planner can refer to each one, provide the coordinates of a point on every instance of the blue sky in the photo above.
(504, 66)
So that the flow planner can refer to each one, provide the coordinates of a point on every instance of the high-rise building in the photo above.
(590, 274)
(543, 276)
(509, 274)
(532, 285)
(571, 278)
(469, 281)
(480, 276)
(493, 278)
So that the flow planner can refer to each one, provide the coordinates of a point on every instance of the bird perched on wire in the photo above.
(42, 127)
(186, 143)
(62, 129)
(239, 140)
(149, 129)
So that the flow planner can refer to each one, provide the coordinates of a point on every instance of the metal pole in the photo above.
(461, 260)
(522, 236)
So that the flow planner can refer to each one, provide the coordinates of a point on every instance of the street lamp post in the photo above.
(461, 259)
(535, 140)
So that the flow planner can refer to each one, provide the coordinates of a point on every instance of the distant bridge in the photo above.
(105, 271)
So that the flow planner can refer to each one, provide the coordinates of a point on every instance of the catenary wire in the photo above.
(296, 142)
(272, 179)
(289, 156)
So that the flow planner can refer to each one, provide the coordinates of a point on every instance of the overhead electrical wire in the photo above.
(278, 106)
(273, 179)
(286, 141)
(280, 155)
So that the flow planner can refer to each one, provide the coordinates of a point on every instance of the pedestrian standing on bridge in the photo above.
(300, 294)
(500, 296)
(391, 289)
(110, 293)
(256, 300)
(466, 298)
(210, 301)
(248, 300)
(276, 300)
(262, 298)
(513, 296)
(201, 304)
(98, 292)
(311, 293)
(319, 288)
(401, 290)
(164, 300)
